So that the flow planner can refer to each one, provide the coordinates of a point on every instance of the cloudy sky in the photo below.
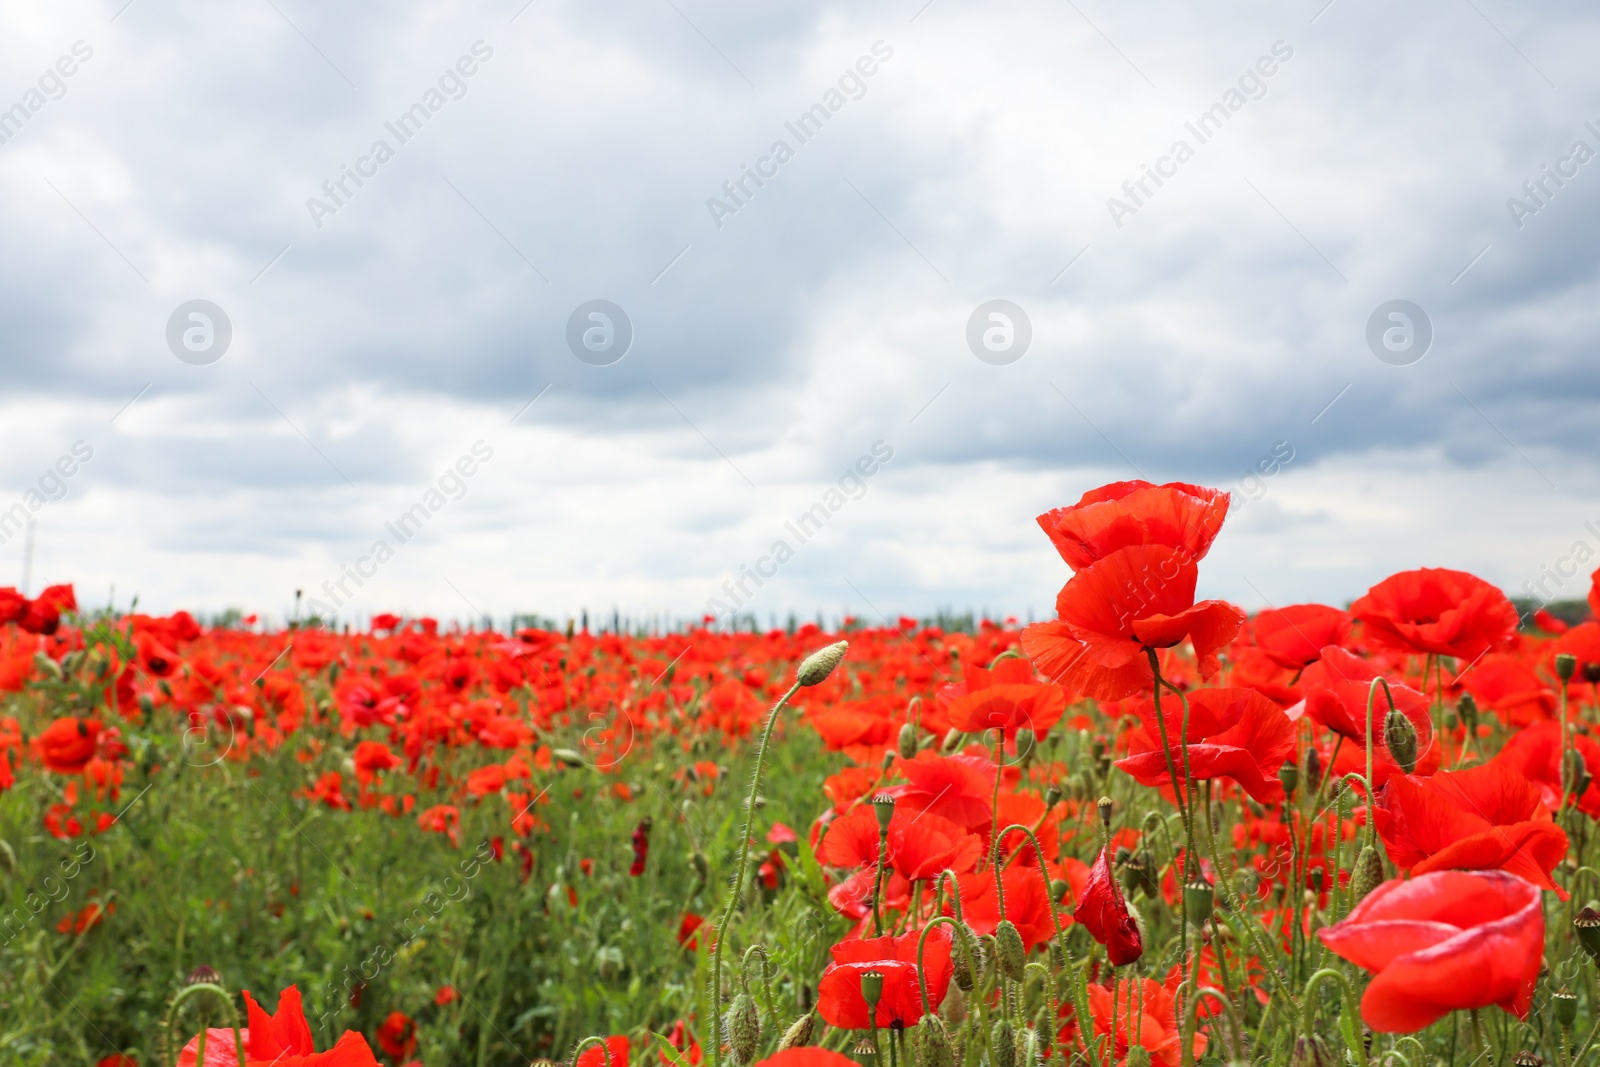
(538, 156)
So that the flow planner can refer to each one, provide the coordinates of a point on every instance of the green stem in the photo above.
(737, 893)
(189, 992)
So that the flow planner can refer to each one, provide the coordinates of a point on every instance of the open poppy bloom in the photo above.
(67, 745)
(1233, 733)
(1156, 1028)
(1007, 698)
(1443, 942)
(1508, 686)
(1450, 613)
(1178, 515)
(839, 999)
(959, 788)
(1027, 907)
(282, 1039)
(921, 844)
(43, 612)
(1295, 636)
(1114, 610)
(1535, 753)
(1104, 913)
(1482, 818)
(807, 1057)
(1336, 691)
(397, 1035)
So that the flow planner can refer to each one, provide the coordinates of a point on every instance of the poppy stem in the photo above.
(189, 992)
(605, 1049)
(737, 891)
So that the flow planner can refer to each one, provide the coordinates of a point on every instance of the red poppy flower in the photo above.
(1443, 942)
(372, 758)
(446, 995)
(921, 845)
(1451, 613)
(1295, 636)
(397, 1035)
(85, 919)
(1535, 753)
(958, 788)
(1483, 818)
(1337, 687)
(1104, 913)
(619, 1047)
(1112, 611)
(13, 605)
(282, 1039)
(117, 1059)
(1157, 1029)
(1026, 904)
(1583, 642)
(67, 745)
(807, 1057)
(1233, 733)
(839, 998)
(1010, 707)
(1510, 687)
(45, 610)
(641, 847)
(1114, 516)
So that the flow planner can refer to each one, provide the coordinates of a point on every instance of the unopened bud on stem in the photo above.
(815, 668)
(1400, 737)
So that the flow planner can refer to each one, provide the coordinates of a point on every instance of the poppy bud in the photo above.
(1138, 1056)
(567, 757)
(1401, 739)
(933, 1043)
(1566, 1008)
(1468, 710)
(908, 741)
(1052, 796)
(1289, 775)
(1586, 925)
(1104, 806)
(799, 1033)
(1025, 743)
(701, 867)
(871, 988)
(744, 1026)
(1566, 666)
(1578, 777)
(1198, 899)
(1009, 953)
(1311, 1051)
(1368, 875)
(965, 969)
(47, 666)
(883, 808)
(1058, 890)
(1002, 1045)
(815, 668)
(1313, 769)
(8, 858)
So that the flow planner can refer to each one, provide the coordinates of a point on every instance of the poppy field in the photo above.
(1151, 830)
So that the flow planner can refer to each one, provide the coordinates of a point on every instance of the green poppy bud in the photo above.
(965, 969)
(933, 1043)
(1138, 1056)
(1400, 737)
(1313, 770)
(908, 741)
(1058, 890)
(1577, 776)
(1002, 1045)
(799, 1033)
(744, 1028)
(815, 668)
(1009, 953)
(1368, 875)
(1468, 710)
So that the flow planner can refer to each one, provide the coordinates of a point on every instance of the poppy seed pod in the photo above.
(1002, 1045)
(1401, 739)
(1368, 874)
(1527, 1058)
(744, 1028)
(1565, 1007)
(1566, 666)
(883, 808)
(1586, 925)
(1199, 898)
(1289, 775)
(871, 988)
(1009, 953)
(933, 1043)
(1104, 807)
(908, 741)
(815, 668)
(203, 975)
(799, 1033)
(1052, 796)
